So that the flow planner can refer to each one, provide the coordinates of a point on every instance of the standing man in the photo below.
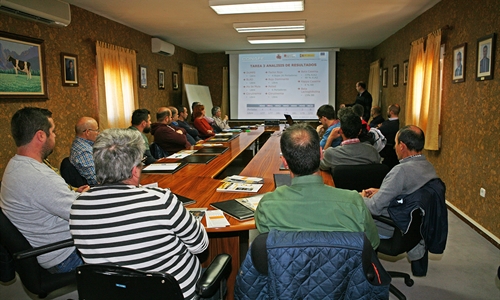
(182, 122)
(170, 139)
(308, 204)
(141, 121)
(364, 98)
(389, 128)
(412, 172)
(141, 228)
(33, 197)
(329, 124)
(86, 130)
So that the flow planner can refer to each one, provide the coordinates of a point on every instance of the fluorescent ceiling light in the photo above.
(223, 7)
(270, 26)
(277, 39)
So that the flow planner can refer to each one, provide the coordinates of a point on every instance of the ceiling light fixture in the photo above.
(270, 26)
(285, 39)
(223, 7)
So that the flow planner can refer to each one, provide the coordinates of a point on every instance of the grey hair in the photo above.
(116, 152)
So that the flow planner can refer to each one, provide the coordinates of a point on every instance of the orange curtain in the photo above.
(374, 82)
(423, 89)
(117, 87)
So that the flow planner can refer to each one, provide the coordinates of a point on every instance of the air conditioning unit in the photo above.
(162, 47)
(51, 12)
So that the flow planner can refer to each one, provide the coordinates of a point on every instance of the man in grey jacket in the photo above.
(351, 151)
(412, 172)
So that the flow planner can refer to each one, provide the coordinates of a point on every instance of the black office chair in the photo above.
(157, 151)
(359, 177)
(421, 215)
(108, 282)
(71, 174)
(311, 265)
(36, 279)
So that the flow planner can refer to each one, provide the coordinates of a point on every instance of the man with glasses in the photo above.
(86, 130)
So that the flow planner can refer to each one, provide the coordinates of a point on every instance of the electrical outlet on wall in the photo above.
(482, 192)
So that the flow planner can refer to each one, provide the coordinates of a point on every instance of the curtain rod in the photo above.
(446, 27)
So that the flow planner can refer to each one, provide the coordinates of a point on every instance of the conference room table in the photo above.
(198, 182)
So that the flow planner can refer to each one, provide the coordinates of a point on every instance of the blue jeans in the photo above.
(68, 265)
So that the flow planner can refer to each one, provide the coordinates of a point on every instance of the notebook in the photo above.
(185, 200)
(169, 168)
(211, 150)
(235, 209)
(199, 159)
(282, 179)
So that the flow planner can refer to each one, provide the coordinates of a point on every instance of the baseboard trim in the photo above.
(476, 226)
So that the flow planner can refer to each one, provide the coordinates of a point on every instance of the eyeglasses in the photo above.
(95, 130)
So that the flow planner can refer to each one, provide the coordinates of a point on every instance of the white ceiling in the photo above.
(192, 24)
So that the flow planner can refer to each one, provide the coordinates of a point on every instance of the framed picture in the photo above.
(459, 56)
(384, 77)
(143, 77)
(485, 57)
(69, 69)
(405, 72)
(23, 73)
(395, 75)
(161, 79)
(175, 80)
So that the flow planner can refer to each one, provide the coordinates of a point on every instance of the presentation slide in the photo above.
(270, 85)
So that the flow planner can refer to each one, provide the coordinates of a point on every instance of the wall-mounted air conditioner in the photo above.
(162, 47)
(51, 12)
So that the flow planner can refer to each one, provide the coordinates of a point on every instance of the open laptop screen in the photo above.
(289, 119)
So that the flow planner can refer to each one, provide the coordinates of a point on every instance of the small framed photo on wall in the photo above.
(459, 56)
(485, 63)
(175, 80)
(143, 77)
(384, 77)
(395, 75)
(405, 72)
(69, 69)
(161, 79)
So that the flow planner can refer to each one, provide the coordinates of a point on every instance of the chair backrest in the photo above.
(108, 282)
(35, 278)
(402, 242)
(71, 174)
(312, 265)
(359, 177)
(157, 151)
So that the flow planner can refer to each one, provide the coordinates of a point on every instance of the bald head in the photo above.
(87, 128)
(163, 115)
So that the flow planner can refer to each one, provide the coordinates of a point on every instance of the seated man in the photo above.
(329, 126)
(175, 123)
(218, 120)
(141, 121)
(292, 208)
(389, 128)
(167, 137)
(412, 172)
(351, 151)
(80, 156)
(377, 117)
(34, 197)
(182, 123)
(136, 227)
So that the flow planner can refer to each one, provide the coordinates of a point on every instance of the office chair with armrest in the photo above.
(71, 174)
(311, 265)
(157, 151)
(420, 216)
(108, 282)
(359, 177)
(36, 279)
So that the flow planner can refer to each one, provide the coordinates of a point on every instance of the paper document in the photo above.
(250, 202)
(216, 218)
(162, 167)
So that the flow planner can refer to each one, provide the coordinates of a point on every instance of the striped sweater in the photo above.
(140, 228)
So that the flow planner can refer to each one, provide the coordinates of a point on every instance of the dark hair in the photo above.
(197, 110)
(300, 147)
(377, 110)
(350, 123)
(413, 137)
(358, 110)
(160, 116)
(27, 121)
(326, 111)
(394, 108)
(362, 84)
(140, 115)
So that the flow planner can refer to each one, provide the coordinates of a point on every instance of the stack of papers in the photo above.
(250, 202)
(243, 179)
(216, 218)
(239, 187)
(211, 145)
(182, 154)
(162, 167)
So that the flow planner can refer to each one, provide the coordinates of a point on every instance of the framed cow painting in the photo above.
(22, 72)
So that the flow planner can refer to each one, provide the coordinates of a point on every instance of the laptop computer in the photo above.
(289, 120)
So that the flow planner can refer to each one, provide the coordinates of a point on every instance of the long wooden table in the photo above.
(196, 181)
